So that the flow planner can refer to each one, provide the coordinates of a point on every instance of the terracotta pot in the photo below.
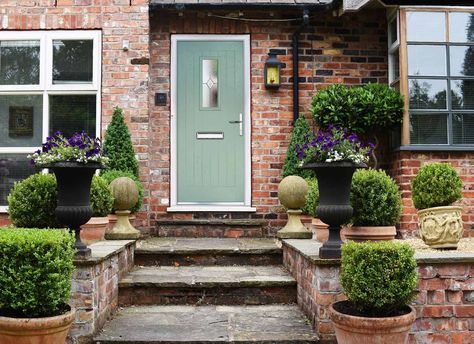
(441, 227)
(320, 230)
(356, 330)
(50, 330)
(370, 233)
(94, 230)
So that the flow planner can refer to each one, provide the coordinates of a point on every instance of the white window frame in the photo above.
(46, 86)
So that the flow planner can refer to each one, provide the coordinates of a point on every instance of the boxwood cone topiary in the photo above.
(118, 145)
(101, 197)
(375, 199)
(36, 268)
(312, 199)
(436, 185)
(110, 175)
(292, 163)
(378, 278)
(32, 202)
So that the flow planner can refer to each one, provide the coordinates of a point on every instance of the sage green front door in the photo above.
(210, 128)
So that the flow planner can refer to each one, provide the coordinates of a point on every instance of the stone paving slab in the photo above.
(282, 324)
(167, 245)
(208, 276)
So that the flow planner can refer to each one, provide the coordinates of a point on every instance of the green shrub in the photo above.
(32, 202)
(36, 267)
(101, 197)
(312, 200)
(118, 145)
(291, 165)
(109, 176)
(436, 185)
(375, 199)
(378, 278)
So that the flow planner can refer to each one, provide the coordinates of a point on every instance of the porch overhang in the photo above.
(428, 3)
(245, 4)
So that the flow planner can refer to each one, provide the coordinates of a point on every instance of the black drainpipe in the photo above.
(295, 45)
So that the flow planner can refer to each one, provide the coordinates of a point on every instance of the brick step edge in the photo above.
(208, 231)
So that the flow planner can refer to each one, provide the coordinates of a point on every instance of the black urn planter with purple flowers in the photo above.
(334, 182)
(73, 208)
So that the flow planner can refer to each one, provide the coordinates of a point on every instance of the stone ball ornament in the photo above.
(292, 192)
(125, 193)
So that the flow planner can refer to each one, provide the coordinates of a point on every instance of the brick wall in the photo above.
(444, 306)
(406, 165)
(351, 49)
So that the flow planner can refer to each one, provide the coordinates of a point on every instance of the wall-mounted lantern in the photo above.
(272, 72)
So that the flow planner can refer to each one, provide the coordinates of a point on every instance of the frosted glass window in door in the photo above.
(210, 89)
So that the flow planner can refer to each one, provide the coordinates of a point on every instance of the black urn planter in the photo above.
(334, 182)
(73, 208)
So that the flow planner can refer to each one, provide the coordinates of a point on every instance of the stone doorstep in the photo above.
(277, 324)
(207, 251)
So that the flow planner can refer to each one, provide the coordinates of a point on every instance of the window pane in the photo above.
(22, 120)
(73, 113)
(427, 94)
(13, 167)
(428, 129)
(462, 60)
(392, 31)
(426, 27)
(72, 61)
(463, 128)
(394, 62)
(426, 60)
(19, 62)
(461, 27)
(209, 84)
(462, 94)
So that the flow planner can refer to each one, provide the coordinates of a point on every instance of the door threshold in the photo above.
(211, 208)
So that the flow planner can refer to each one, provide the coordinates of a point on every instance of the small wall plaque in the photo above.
(160, 99)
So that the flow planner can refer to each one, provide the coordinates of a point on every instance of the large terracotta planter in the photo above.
(50, 330)
(370, 233)
(356, 330)
(94, 230)
(441, 227)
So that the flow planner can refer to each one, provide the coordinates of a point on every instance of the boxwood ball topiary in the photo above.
(436, 185)
(378, 278)
(375, 199)
(36, 267)
(32, 202)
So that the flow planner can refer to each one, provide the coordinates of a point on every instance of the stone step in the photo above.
(207, 251)
(198, 285)
(277, 324)
(210, 228)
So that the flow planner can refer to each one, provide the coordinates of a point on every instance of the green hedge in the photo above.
(101, 197)
(379, 278)
(312, 199)
(110, 175)
(36, 267)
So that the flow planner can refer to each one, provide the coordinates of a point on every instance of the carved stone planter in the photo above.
(441, 227)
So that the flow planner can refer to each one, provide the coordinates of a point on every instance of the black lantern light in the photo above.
(272, 72)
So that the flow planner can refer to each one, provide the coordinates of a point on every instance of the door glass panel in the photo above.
(427, 94)
(461, 27)
(22, 120)
(462, 94)
(19, 62)
(13, 168)
(428, 129)
(73, 113)
(72, 61)
(462, 60)
(463, 128)
(426, 60)
(210, 90)
(426, 27)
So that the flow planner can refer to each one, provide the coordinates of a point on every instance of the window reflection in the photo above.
(426, 60)
(72, 61)
(426, 27)
(427, 94)
(428, 129)
(19, 62)
(461, 27)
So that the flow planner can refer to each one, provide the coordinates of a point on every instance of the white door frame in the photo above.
(241, 206)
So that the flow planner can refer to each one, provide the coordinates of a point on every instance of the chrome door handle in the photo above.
(240, 122)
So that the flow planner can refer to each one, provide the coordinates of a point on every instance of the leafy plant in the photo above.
(78, 148)
(36, 267)
(378, 278)
(312, 199)
(101, 197)
(291, 166)
(436, 185)
(375, 198)
(118, 145)
(110, 175)
(32, 202)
